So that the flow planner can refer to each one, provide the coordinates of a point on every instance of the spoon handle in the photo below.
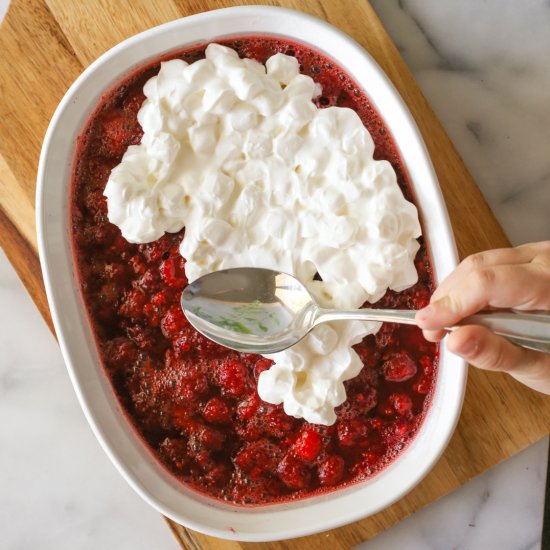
(529, 330)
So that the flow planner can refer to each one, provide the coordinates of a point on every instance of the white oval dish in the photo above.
(134, 461)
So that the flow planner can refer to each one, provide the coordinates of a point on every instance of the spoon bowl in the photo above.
(250, 309)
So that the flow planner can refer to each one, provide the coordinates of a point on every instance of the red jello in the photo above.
(194, 403)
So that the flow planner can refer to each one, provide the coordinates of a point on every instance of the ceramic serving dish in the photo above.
(128, 453)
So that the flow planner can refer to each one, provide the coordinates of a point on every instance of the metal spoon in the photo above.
(263, 311)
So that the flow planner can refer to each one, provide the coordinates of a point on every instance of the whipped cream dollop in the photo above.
(237, 153)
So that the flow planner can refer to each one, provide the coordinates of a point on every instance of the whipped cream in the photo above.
(238, 154)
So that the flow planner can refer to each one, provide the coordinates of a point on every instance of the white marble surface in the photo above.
(500, 509)
(58, 488)
(484, 67)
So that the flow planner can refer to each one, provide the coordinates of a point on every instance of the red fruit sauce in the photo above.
(194, 403)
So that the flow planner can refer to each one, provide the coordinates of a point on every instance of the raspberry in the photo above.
(118, 247)
(251, 431)
(171, 361)
(152, 314)
(346, 411)
(216, 410)
(331, 470)
(205, 347)
(175, 452)
(132, 103)
(369, 458)
(96, 203)
(246, 409)
(193, 388)
(422, 387)
(288, 440)
(147, 339)
(399, 367)
(116, 134)
(160, 299)
(172, 272)
(294, 473)
(232, 378)
(119, 353)
(173, 322)
(211, 438)
(365, 400)
(420, 297)
(377, 423)
(385, 409)
(98, 171)
(403, 429)
(181, 419)
(261, 365)
(256, 458)
(182, 345)
(351, 432)
(137, 264)
(402, 403)
(101, 234)
(153, 252)
(108, 294)
(133, 304)
(368, 353)
(203, 458)
(277, 423)
(147, 282)
(218, 475)
(175, 248)
(115, 272)
(308, 445)
(386, 337)
(389, 300)
(426, 363)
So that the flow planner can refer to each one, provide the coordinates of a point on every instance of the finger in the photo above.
(484, 349)
(500, 256)
(434, 335)
(543, 253)
(518, 286)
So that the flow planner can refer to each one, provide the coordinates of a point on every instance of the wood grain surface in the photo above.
(45, 44)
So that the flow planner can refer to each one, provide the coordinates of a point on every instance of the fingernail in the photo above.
(468, 348)
(425, 313)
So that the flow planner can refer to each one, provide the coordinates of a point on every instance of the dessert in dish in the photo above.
(195, 404)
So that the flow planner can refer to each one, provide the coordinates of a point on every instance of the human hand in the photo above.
(516, 278)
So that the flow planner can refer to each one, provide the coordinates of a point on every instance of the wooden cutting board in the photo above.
(45, 44)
